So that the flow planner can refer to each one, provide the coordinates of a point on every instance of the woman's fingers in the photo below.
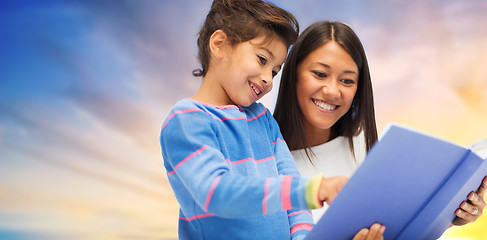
(482, 188)
(362, 234)
(375, 232)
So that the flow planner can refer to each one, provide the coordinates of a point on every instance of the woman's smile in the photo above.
(323, 105)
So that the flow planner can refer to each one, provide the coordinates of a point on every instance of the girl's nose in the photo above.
(267, 79)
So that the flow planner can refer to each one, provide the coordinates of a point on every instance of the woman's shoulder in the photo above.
(359, 147)
(331, 158)
(338, 145)
(331, 155)
(335, 144)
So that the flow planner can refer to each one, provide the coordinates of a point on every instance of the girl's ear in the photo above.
(218, 42)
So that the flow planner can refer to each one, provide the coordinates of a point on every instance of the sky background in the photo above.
(85, 86)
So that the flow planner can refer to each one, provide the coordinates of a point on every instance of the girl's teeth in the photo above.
(324, 105)
(255, 90)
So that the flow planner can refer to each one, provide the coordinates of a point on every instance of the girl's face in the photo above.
(249, 68)
(327, 83)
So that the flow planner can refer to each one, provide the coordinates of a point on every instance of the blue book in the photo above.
(410, 182)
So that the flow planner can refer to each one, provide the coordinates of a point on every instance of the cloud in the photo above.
(88, 84)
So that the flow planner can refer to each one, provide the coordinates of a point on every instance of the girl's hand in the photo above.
(330, 187)
(471, 210)
(375, 232)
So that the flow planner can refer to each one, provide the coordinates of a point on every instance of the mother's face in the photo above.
(327, 83)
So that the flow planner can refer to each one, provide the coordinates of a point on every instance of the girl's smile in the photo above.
(242, 73)
(256, 89)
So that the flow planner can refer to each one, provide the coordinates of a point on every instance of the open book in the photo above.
(410, 182)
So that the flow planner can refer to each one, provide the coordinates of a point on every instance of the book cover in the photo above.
(410, 182)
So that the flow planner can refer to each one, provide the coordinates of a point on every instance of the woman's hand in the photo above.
(375, 232)
(471, 210)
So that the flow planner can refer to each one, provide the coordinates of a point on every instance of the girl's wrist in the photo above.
(313, 192)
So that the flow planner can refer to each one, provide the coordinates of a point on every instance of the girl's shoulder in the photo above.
(194, 102)
(189, 103)
(191, 108)
(256, 107)
(185, 110)
(257, 110)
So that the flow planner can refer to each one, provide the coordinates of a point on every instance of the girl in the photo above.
(325, 107)
(225, 158)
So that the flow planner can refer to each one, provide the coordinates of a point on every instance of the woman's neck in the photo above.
(316, 138)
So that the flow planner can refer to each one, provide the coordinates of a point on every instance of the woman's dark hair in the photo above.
(243, 20)
(360, 117)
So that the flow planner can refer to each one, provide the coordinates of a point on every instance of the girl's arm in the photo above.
(300, 222)
(194, 163)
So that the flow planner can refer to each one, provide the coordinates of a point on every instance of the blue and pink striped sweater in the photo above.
(232, 174)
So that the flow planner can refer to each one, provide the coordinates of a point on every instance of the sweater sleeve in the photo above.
(300, 222)
(198, 168)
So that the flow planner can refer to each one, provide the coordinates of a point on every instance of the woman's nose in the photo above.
(331, 88)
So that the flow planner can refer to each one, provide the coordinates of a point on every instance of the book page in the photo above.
(480, 148)
(395, 183)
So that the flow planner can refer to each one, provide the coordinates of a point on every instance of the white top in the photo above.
(332, 158)
(480, 148)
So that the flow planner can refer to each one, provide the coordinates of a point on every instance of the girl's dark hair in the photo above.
(243, 20)
(360, 117)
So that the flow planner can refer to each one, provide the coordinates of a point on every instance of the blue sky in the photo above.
(85, 85)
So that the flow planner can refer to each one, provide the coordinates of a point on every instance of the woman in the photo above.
(325, 108)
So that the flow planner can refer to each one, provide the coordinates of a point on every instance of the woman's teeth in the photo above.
(324, 105)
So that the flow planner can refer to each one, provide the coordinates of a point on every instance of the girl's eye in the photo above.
(319, 74)
(274, 73)
(262, 60)
(348, 81)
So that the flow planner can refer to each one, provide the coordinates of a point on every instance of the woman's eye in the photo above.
(262, 60)
(319, 74)
(274, 73)
(348, 81)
